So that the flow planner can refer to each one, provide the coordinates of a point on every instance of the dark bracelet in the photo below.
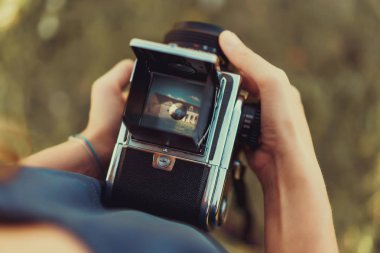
(90, 150)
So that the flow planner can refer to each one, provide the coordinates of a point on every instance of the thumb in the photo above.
(118, 76)
(259, 73)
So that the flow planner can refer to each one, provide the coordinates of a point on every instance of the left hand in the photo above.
(107, 104)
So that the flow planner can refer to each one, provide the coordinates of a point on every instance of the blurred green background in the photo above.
(52, 50)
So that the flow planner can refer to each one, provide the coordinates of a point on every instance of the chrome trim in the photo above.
(227, 119)
(231, 136)
(151, 148)
(115, 159)
(217, 197)
(174, 50)
(217, 175)
(133, 71)
(216, 114)
(123, 134)
(225, 162)
(207, 196)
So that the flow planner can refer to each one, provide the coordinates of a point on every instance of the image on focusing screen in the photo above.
(173, 105)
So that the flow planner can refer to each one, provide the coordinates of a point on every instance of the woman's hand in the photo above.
(297, 210)
(107, 105)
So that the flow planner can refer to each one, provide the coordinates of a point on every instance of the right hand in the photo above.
(297, 209)
(285, 137)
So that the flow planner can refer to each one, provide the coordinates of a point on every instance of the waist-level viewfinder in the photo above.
(173, 91)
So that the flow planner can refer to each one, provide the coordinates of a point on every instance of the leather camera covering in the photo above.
(175, 195)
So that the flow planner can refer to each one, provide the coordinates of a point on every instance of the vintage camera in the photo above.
(183, 122)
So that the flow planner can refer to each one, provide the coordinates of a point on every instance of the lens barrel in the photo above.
(198, 36)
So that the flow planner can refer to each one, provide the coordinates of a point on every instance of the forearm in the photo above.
(70, 156)
(298, 215)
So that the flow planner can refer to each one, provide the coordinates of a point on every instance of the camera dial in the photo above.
(198, 36)
(250, 125)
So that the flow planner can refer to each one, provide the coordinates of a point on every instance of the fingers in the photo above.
(118, 77)
(261, 74)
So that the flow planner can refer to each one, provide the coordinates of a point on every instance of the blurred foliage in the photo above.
(52, 50)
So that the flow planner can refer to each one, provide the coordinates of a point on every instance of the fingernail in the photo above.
(230, 40)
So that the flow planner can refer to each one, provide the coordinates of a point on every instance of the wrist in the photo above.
(297, 208)
(102, 145)
(294, 180)
(290, 167)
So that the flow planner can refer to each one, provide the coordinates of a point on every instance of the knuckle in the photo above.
(275, 77)
(243, 54)
(96, 88)
(295, 90)
(98, 84)
(280, 75)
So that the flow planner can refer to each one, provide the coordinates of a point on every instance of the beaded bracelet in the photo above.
(90, 150)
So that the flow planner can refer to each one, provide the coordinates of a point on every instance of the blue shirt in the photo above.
(73, 201)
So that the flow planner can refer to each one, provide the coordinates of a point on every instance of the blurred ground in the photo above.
(52, 50)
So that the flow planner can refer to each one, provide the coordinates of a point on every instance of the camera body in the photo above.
(178, 135)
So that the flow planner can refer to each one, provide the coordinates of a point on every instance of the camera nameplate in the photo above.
(163, 162)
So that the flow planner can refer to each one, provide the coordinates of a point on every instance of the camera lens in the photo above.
(198, 36)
